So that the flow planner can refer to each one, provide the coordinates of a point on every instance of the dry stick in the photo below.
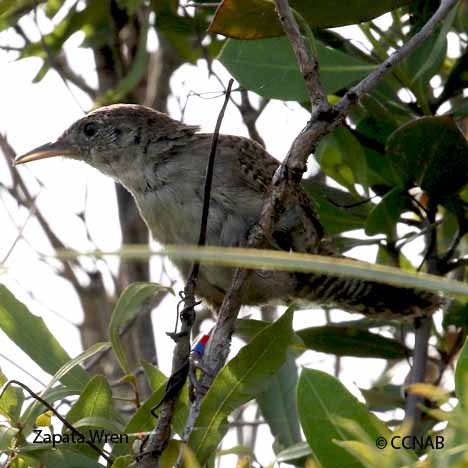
(19, 235)
(308, 63)
(209, 181)
(26, 200)
(22, 369)
(250, 115)
(158, 440)
(70, 426)
(286, 179)
(59, 63)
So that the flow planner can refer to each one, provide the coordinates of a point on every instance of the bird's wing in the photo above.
(253, 168)
(255, 165)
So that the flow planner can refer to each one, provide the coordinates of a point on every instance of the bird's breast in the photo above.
(171, 216)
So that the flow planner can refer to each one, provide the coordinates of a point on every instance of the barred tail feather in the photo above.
(375, 300)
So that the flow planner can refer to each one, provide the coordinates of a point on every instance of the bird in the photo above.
(162, 163)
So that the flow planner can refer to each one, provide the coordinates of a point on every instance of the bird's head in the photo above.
(111, 138)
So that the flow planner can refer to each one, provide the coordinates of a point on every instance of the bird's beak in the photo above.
(55, 148)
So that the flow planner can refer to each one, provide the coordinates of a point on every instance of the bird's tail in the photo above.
(375, 300)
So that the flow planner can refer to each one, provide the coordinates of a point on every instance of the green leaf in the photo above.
(322, 398)
(98, 422)
(448, 227)
(255, 19)
(246, 329)
(189, 457)
(155, 377)
(278, 404)
(239, 381)
(89, 17)
(30, 334)
(386, 397)
(456, 314)
(127, 307)
(73, 363)
(36, 408)
(95, 401)
(237, 450)
(30, 414)
(379, 172)
(294, 452)
(123, 462)
(180, 30)
(374, 120)
(460, 109)
(426, 60)
(59, 456)
(12, 10)
(430, 152)
(52, 7)
(384, 217)
(335, 207)
(130, 5)
(269, 68)
(461, 375)
(143, 421)
(350, 341)
(341, 157)
(289, 261)
(7, 433)
(170, 455)
(11, 401)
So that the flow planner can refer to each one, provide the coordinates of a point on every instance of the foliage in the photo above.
(401, 164)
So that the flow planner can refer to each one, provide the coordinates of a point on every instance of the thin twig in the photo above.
(64, 72)
(456, 263)
(209, 180)
(9, 48)
(24, 197)
(70, 426)
(22, 369)
(250, 115)
(21, 230)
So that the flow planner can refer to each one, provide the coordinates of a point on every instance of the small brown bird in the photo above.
(162, 163)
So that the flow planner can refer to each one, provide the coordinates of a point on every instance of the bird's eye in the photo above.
(90, 129)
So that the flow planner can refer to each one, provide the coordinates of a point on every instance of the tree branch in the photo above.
(308, 64)
(250, 115)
